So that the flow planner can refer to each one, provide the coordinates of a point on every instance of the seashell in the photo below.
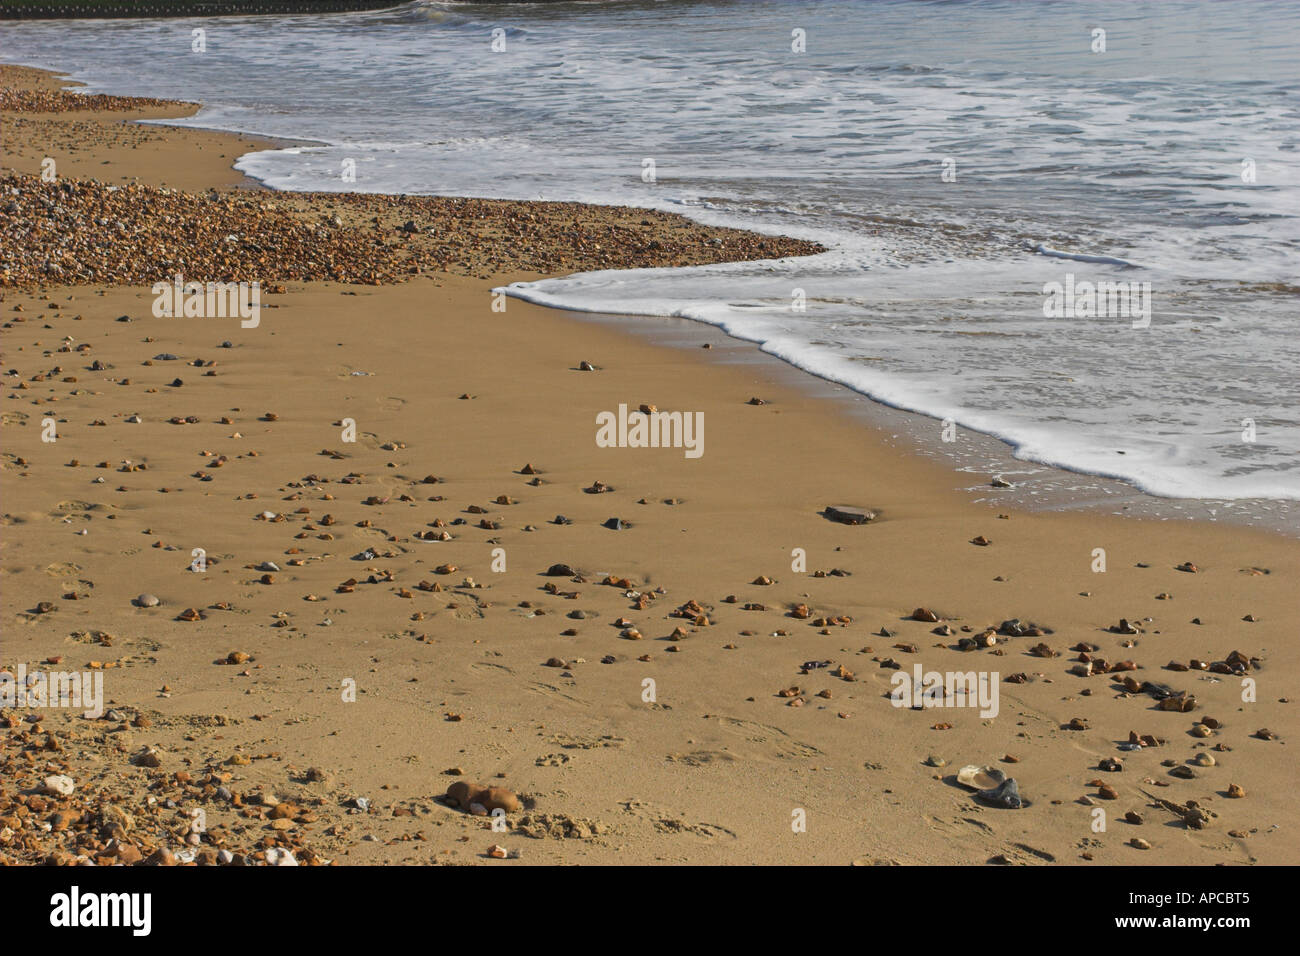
(981, 778)
(146, 600)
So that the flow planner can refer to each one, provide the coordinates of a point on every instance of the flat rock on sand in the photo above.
(849, 514)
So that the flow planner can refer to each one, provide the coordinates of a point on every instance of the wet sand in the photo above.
(464, 671)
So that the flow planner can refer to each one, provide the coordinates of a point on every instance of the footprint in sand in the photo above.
(570, 742)
(702, 758)
(665, 821)
(550, 690)
(73, 506)
(754, 732)
(488, 665)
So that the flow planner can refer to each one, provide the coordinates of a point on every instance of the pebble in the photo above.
(467, 795)
(58, 785)
(848, 514)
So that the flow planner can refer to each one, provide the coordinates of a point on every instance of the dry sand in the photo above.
(454, 684)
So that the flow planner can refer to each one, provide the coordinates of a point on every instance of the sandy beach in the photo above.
(663, 657)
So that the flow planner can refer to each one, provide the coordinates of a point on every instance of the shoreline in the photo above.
(477, 425)
(1038, 486)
